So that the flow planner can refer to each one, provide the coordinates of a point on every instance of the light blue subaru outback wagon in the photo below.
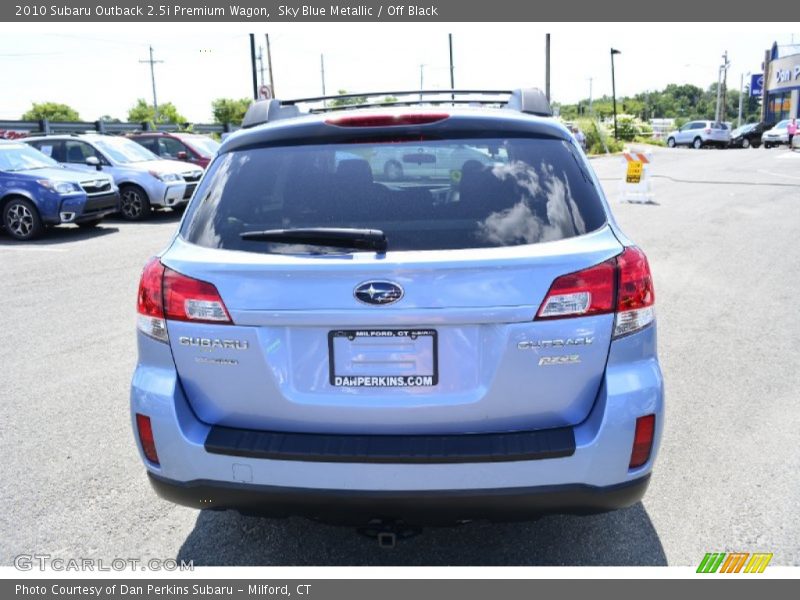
(327, 338)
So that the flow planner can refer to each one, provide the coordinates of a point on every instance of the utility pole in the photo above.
(322, 72)
(547, 66)
(261, 64)
(253, 65)
(152, 62)
(723, 69)
(741, 97)
(724, 112)
(452, 68)
(591, 110)
(269, 67)
(421, 80)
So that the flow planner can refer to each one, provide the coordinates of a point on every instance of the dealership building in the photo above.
(782, 83)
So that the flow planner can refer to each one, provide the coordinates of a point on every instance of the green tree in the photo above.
(347, 101)
(52, 111)
(230, 110)
(109, 119)
(143, 112)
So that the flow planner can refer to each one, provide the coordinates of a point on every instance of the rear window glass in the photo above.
(424, 195)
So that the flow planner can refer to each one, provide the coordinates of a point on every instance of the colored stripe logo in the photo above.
(734, 562)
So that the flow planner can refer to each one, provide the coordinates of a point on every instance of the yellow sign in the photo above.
(634, 174)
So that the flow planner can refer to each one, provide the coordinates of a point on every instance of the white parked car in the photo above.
(699, 134)
(776, 136)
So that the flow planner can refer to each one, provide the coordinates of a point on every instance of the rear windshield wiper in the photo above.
(333, 237)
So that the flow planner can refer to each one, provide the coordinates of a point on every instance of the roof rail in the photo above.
(527, 100)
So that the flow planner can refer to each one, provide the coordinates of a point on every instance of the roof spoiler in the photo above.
(527, 100)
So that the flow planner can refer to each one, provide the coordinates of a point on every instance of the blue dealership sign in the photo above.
(756, 84)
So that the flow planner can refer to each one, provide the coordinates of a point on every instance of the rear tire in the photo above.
(134, 205)
(697, 143)
(671, 142)
(22, 220)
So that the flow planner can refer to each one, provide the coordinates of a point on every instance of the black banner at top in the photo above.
(154, 11)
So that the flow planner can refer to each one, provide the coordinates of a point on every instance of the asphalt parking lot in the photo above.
(722, 243)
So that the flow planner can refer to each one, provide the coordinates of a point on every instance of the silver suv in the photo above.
(699, 134)
(145, 180)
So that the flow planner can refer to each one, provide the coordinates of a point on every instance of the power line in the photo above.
(152, 62)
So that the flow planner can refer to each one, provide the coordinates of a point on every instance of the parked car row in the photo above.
(81, 178)
(701, 134)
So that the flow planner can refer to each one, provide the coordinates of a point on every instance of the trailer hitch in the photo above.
(388, 531)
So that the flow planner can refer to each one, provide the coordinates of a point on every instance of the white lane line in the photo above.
(778, 174)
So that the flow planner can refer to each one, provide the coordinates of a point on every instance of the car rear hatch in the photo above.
(438, 334)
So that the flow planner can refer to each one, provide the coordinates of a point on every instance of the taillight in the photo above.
(150, 303)
(165, 294)
(622, 285)
(187, 299)
(587, 292)
(146, 439)
(386, 120)
(642, 441)
(635, 295)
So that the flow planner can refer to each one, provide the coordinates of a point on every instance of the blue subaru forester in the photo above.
(37, 192)
(331, 336)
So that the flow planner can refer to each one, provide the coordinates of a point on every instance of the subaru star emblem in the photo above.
(378, 292)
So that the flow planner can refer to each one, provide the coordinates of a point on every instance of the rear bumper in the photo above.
(416, 507)
(255, 471)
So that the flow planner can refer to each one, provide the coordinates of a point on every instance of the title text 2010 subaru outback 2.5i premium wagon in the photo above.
(320, 341)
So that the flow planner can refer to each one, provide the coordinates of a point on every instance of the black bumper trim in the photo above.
(101, 203)
(417, 507)
(414, 449)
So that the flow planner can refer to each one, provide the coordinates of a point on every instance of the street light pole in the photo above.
(253, 65)
(741, 96)
(452, 68)
(547, 66)
(614, 90)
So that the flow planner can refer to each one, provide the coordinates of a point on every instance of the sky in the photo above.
(95, 67)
